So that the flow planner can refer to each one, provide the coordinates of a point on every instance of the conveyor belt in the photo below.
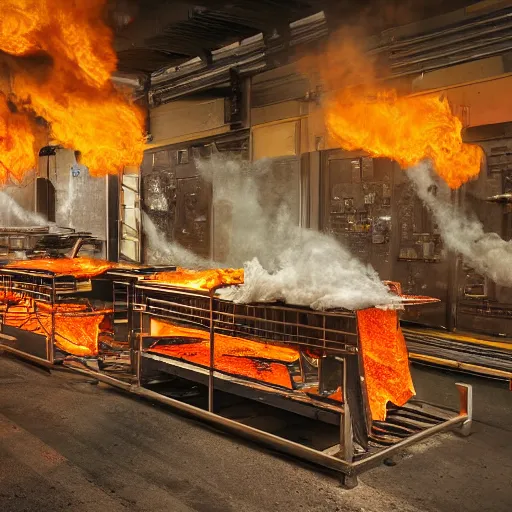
(481, 356)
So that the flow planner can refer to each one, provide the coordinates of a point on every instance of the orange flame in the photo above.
(406, 129)
(17, 143)
(362, 114)
(74, 93)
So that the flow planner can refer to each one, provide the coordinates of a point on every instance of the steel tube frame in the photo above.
(345, 467)
(343, 463)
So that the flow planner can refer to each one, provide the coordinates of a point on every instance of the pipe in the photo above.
(433, 35)
(28, 357)
(377, 458)
(449, 53)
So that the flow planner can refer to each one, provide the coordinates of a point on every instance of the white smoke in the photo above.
(281, 260)
(12, 214)
(164, 252)
(487, 253)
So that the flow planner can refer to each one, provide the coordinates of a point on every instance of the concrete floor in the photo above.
(67, 444)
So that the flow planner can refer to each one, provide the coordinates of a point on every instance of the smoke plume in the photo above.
(281, 260)
(165, 252)
(12, 214)
(487, 253)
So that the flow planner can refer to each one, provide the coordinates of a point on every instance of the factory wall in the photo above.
(369, 205)
(366, 203)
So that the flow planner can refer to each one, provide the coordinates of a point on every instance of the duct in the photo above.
(479, 38)
(468, 40)
(248, 57)
(131, 81)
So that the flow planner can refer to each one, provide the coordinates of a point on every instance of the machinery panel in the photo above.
(420, 262)
(484, 306)
(357, 194)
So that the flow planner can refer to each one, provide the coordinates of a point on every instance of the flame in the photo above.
(201, 279)
(17, 143)
(406, 129)
(73, 92)
(363, 114)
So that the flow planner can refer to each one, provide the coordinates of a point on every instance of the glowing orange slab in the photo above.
(201, 279)
(387, 374)
(76, 329)
(236, 356)
(80, 268)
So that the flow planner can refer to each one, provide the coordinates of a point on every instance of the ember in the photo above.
(68, 90)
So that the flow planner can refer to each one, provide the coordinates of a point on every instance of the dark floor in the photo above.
(67, 444)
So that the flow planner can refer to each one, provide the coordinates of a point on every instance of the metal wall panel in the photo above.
(275, 140)
(356, 206)
(74, 190)
(484, 306)
(278, 85)
(420, 262)
(482, 103)
(182, 118)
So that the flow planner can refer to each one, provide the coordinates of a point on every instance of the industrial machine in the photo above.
(44, 241)
(166, 334)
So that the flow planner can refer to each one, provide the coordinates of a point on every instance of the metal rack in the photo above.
(326, 381)
(330, 336)
(38, 289)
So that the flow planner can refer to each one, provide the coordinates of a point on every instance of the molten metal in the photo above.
(201, 279)
(236, 356)
(385, 360)
(79, 268)
(76, 329)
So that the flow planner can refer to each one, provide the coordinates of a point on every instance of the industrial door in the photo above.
(130, 221)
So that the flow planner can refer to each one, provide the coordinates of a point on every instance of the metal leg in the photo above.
(212, 359)
(346, 435)
(466, 407)
(349, 481)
